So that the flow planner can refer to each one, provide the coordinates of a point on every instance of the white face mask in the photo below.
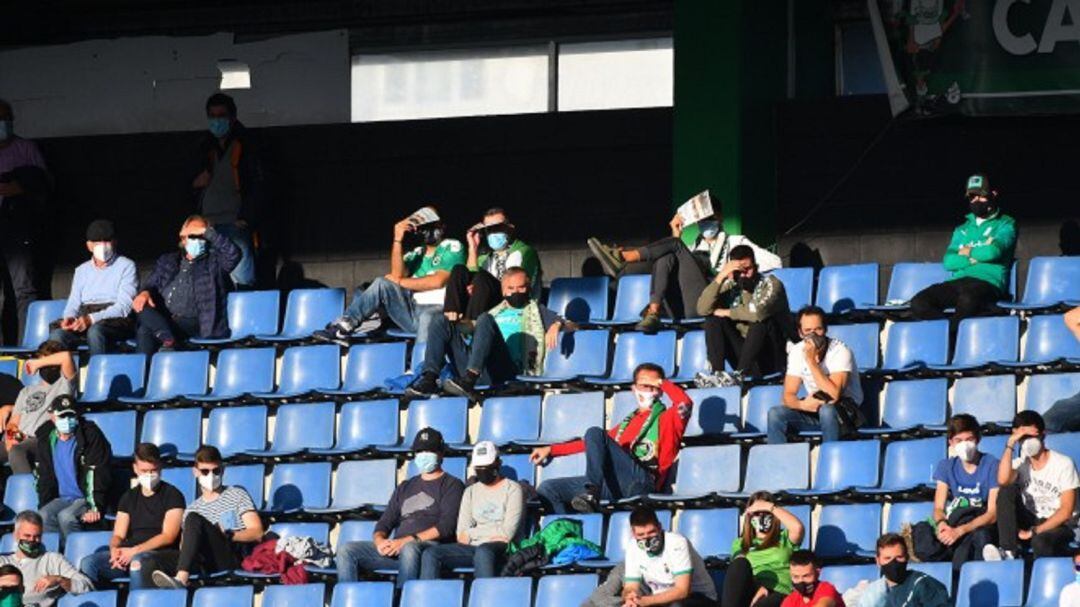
(644, 399)
(1030, 447)
(149, 481)
(210, 482)
(103, 251)
(965, 450)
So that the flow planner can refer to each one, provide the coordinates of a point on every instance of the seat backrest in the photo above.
(236, 429)
(249, 476)
(432, 593)
(253, 313)
(301, 425)
(173, 374)
(925, 342)
(693, 355)
(763, 473)
(97, 598)
(1048, 577)
(844, 464)
(308, 310)
(448, 415)
(223, 596)
(38, 316)
(1048, 338)
(1043, 390)
(580, 299)
(517, 467)
(370, 365)
(173, 430)
(623, 403)
(110, 376)
(355, 531)
(363, 594)
(306, 368)
(620, 535)
(900, 513)
(910, 463)
(990, 583)
(845, 530)
(579, 354)
(908, 278)
(320, 532)
(846, 577)
(561, 467)
(711, 531)
(862, 339)
(798, 285)
(118, 428)
(369, 422)
(569, 415)
(364, 482)
(985, 340)
(715, 411)
(758, 402)
(20, 493)
(504, 419)
(182, 479)
(632, 349)
(1051, 280)
(82, 544)
(296, 486)
(157, 598)
(1067, 443)
(990, 398)
(243, 370)
(914, 402)
(300, 595)
(562, 590)
(708, 469)
(501, 591)
(842, 288)
(631, 297)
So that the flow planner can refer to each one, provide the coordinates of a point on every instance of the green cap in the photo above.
(977, 185)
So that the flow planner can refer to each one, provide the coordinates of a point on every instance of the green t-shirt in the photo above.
(448, 254)
(771, 567)
(509, 323)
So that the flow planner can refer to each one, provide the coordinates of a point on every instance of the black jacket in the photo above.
(250, 175)
(92, 458)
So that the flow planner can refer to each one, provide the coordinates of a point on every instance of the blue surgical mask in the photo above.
(66, 425)
(498, 240)
(219, 127)
(709, 228)
(427, 462)
(195, 247)
(6, 130)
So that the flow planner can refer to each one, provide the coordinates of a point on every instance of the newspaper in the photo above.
(423, 216)
(697, 208)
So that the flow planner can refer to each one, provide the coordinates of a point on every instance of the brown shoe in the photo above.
(609, 257)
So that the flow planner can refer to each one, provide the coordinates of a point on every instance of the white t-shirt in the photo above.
(658, 572)
(1070, 595)
(1041, 489)
(838, 358)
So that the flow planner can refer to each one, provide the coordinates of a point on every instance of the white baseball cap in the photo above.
(484, 454)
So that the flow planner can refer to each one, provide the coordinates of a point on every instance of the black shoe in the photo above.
(609, 257)
(423, 387)
(462, 386)
(586, 502)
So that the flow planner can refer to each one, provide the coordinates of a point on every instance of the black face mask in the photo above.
(517, 300)
(433, 236)
(805, 588)
(31, 549)
(895, 571)
(487, 475)
(981, 208)
(747, 283)
(49, 374)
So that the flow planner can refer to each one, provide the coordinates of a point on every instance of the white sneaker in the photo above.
(991, 553)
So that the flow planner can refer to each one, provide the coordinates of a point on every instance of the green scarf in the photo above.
(533, 349)
(646, 443)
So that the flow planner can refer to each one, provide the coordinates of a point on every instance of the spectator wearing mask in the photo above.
(187, 293)
(46, 576)
(146, 532)
(746, 315)
(98, 310)
(1064, 415)
(666, 564)
(218, 528)
(512, 338)
(809, 589)
(11, 586)
(979, 257)
(681, 265)
(1036, 502)
(422, 514)
(24, 194)
(759, 573)
(231, 189)
(493, 249)
(414, 290)
(826, 368)
(73, 469)
(1070, 594)
(489, 518)
(632, 458)
(899, 586)
(59, 376)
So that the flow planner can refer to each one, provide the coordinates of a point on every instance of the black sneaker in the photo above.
(462, 386)
(609, 257)
(423, 386)
(337, 332)
(586, 502)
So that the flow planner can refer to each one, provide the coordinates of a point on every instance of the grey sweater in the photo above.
(489, 512)
(50, 563)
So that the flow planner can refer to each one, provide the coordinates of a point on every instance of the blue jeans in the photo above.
(355, 557)
(64, 515)
(397, 302)
(243, 275)
(1064, 415)
(486, 559)
(98, 337)
(785, 419)
(607, 466)
(97, 568)
(487, 354)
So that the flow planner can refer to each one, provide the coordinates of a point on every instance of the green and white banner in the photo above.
(979, 57)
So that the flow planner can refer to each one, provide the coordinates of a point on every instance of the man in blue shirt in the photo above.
(98, 309)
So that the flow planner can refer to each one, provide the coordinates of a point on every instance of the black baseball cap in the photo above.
(977, 185)
(429, 439)
(63, 405)
(100, 230)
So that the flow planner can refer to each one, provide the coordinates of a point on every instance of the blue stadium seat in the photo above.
(990, 398)
(363, 594)
(110, 376)
(717, 411)
(362, 485)
(234, 430)
(580, 299)
(911, 404)
(982, 341)
(1047, 341)
(250, 313)
(172, 375)
(1044, 390)
(847, 531)
(157, 598)
(307, 311)
(909, 466)
(580, 354)
(993, 444)
(846, 577)
(97, 598)
(224, 596)
(561, 467)
(701, 472)
(763, 474)
(907, 512)
(844, 288)
(631, 298)
(297, 487)
(1067, 443)
(566, 416)
(38, 316)
(619, 536)
(990, 583)
(173, 430)
(863, 341)
(563, 590)
(10, 366)
(758, 402)
(301, 595)
(238, 372)
(20, 493)
(908, 278)
(632, 349)
(504, 592)
(82, 544)
(51, 539)
(711, 531)
(623, 404)
(1050, 281)
(182, 479)
(364, 425)
(119, 428)
(1048, 577)
(517, 467)
(798, 284)
(693, 358)
(249, 476)
(306, 369)
(506, 419)
(843, 465)
(298, 427)
(941, 572)
(448, 415)
(432, 593)
(913, 345)
(369, 366)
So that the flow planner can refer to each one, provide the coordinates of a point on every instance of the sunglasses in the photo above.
(205, 471)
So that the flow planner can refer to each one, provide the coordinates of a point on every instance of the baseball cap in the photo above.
(100, 230)
(63, 405)
(977, 185)
(428, 439)
(484, 454)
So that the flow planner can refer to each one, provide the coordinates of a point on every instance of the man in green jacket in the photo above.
(979, 257)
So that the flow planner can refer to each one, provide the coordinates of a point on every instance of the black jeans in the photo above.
(970, 297)
(486, 292)
(18, 279)
(156, 324)
(204, 545)
(740, 587)
(1012, 516)
(759, 353)
(678, 276)
(487, 354)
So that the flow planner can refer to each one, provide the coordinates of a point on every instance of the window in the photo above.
(619, 74)
(858, 68)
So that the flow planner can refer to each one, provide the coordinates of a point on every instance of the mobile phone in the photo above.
(823, 396)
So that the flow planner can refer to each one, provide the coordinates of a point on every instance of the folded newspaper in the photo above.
(423, 216)
(697, 208)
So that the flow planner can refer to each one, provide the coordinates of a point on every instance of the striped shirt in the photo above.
(227, 510)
